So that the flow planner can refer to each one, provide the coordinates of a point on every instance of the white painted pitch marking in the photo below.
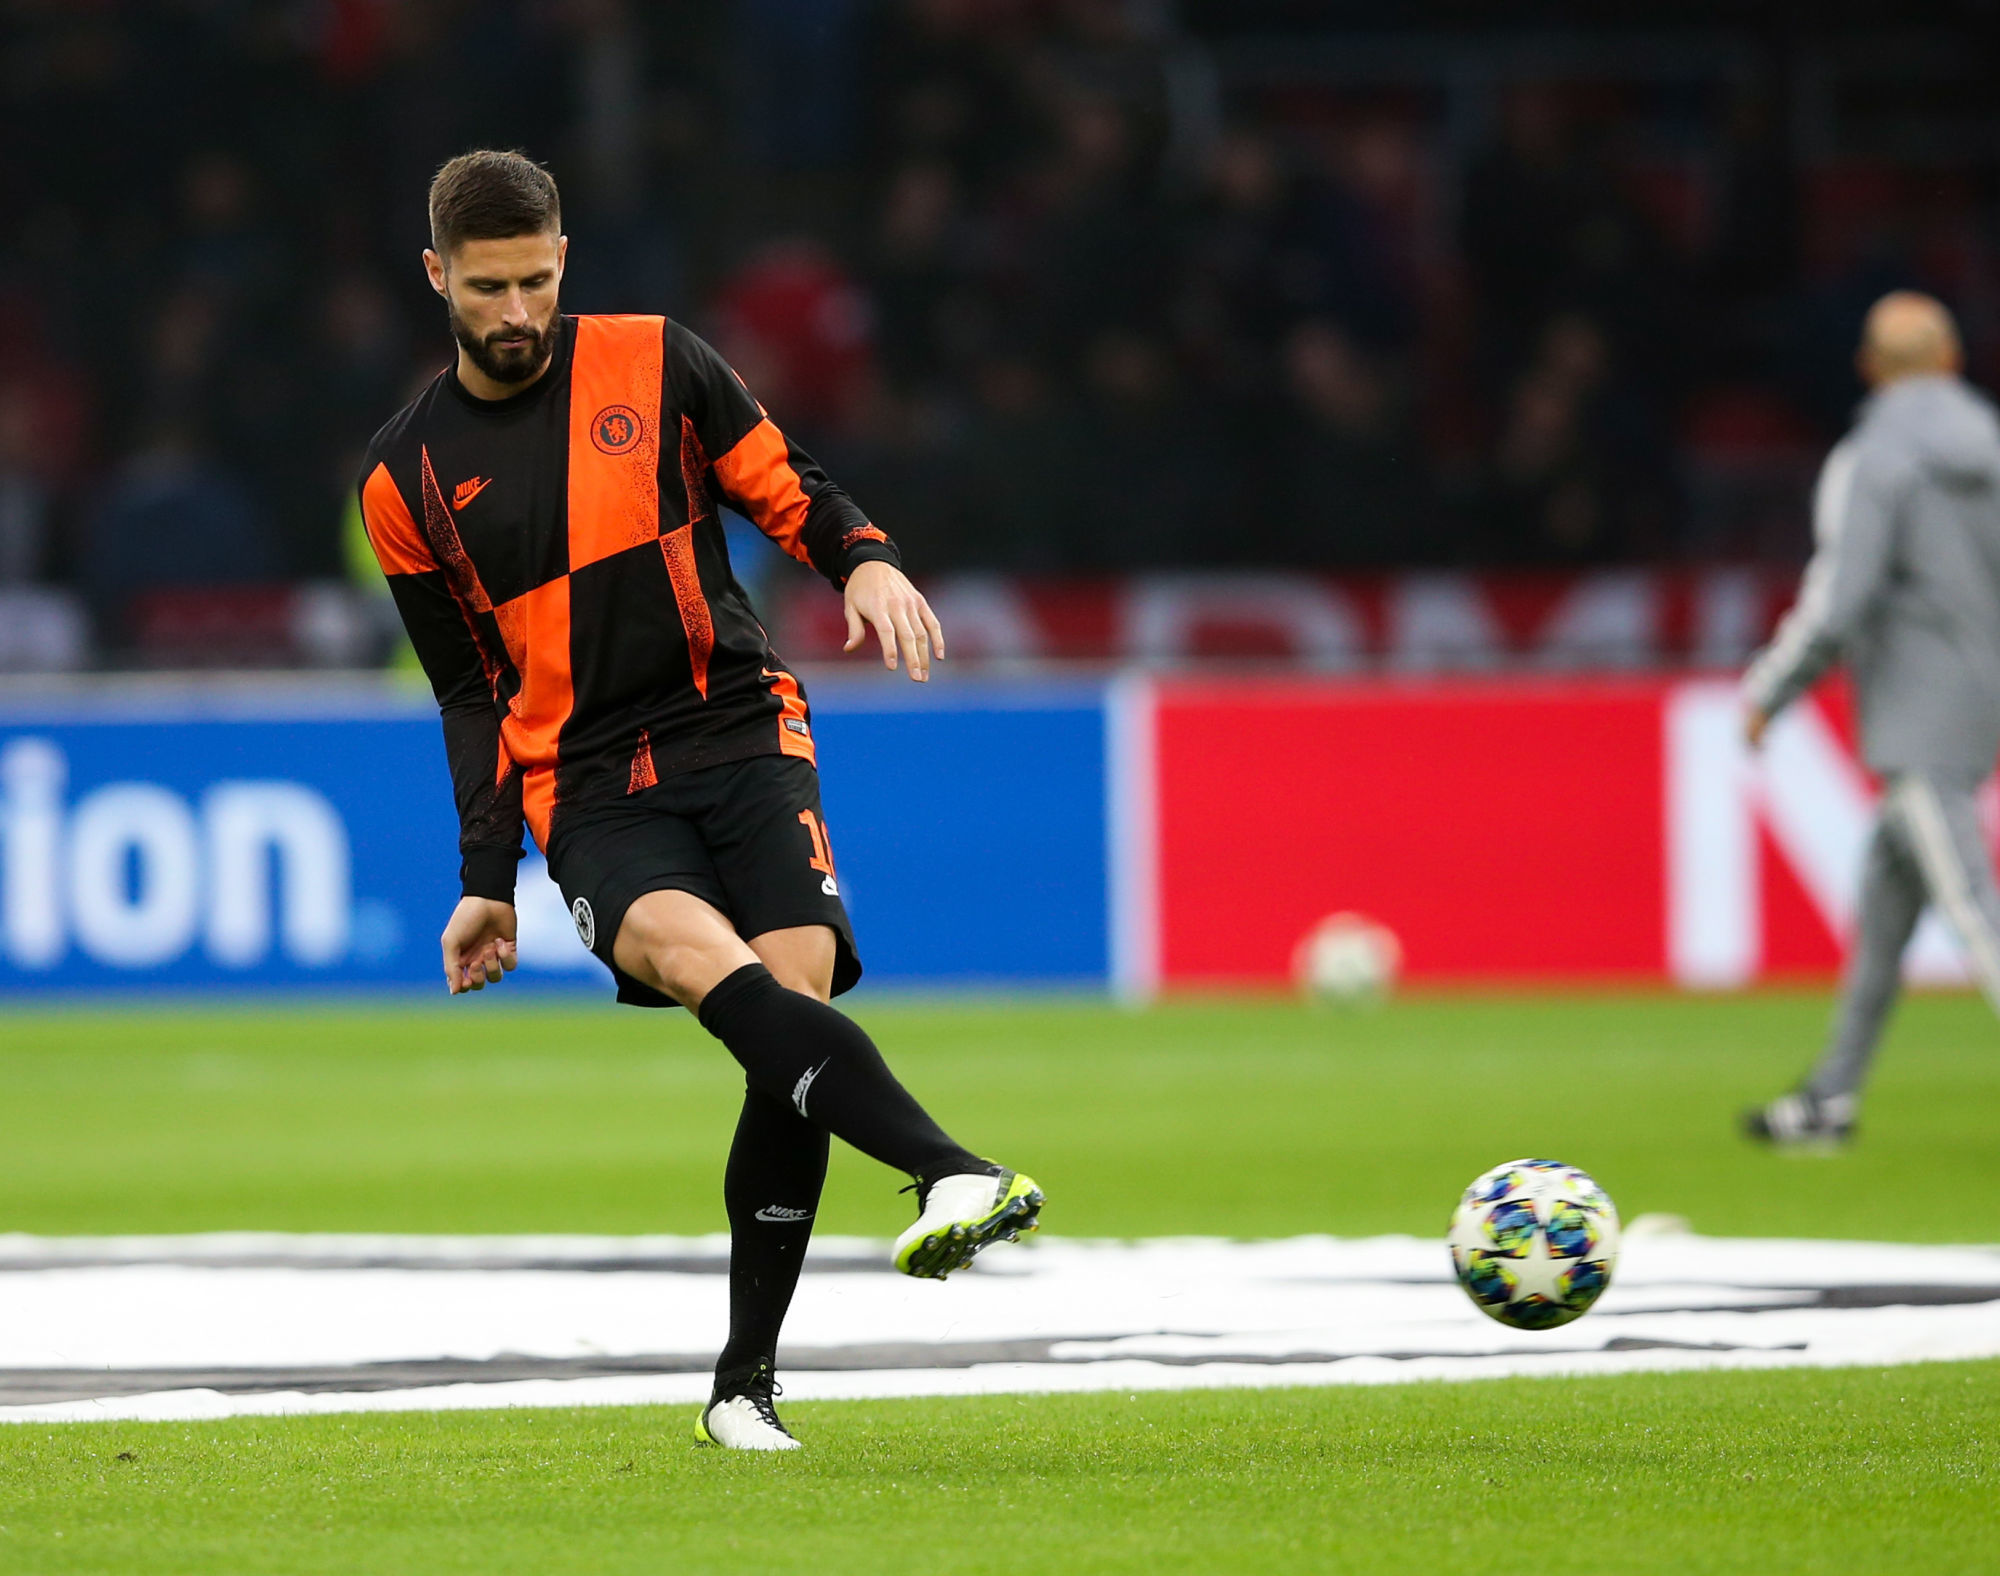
(1157, 1314)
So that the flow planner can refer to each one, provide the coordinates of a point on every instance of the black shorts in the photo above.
(746, 837)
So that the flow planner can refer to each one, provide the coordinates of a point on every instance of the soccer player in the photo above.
(548, 514)
(1904, 586)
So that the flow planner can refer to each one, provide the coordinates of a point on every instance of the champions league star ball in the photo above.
(1533, 1242)
(1347, 958)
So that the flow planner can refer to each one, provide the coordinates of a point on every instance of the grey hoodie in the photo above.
(1904, 583)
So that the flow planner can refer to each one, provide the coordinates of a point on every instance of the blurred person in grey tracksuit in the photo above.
(1904, 588)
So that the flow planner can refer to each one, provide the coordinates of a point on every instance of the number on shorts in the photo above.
(822, 854)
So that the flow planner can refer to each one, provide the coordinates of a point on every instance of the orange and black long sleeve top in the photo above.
(559, 561)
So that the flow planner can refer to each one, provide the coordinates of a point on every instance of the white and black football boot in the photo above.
(742, 1415)
(1803, 1122)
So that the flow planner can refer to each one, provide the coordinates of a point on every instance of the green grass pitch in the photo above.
(1237, 1119)
(1864, 1471)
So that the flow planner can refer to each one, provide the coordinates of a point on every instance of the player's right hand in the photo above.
(478, 944)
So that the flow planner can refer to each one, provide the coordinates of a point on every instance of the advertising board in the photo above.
(1144, 833)
(214, 840)
(1555, 830)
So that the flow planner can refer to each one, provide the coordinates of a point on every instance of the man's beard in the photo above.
(508, 363)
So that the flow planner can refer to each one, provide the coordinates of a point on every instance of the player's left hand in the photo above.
(880, 596)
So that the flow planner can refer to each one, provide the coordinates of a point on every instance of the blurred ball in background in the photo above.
(1347, 959)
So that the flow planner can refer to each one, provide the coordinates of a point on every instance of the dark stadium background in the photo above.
(1225, 368)
(1058, 287)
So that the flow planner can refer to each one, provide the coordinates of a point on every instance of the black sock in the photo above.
(777, 1166)
(823, 1066)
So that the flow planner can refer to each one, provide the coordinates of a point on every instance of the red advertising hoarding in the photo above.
(1550, 830)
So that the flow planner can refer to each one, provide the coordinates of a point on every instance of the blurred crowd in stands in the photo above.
(1052, 286)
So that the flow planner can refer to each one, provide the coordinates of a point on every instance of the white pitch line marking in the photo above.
(239, 1324)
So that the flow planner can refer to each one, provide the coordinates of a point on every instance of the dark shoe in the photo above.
(1803, 1122)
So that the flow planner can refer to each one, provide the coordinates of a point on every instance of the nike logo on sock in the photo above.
(805, 1083)
(778, 1214)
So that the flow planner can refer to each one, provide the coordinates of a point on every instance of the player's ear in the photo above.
(434, 267)
(562, 255)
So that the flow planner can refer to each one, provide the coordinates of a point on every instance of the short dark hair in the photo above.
(491, 195)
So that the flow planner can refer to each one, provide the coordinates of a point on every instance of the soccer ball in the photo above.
(1347, 958)
(1533, 1242)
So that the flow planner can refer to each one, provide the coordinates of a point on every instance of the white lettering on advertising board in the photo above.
(1815, 801)
(135, 875)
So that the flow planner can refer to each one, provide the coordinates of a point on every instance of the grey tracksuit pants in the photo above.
(1927, 848)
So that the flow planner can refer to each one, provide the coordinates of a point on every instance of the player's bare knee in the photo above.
(803, 975)
(821, 990)
(800, 959)
(655, 957)
(683, 967)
